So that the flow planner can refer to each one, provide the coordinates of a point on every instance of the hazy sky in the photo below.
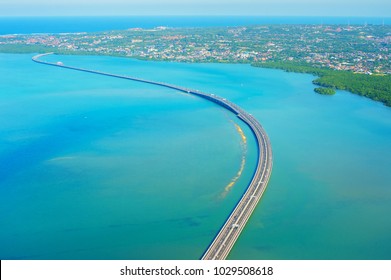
(380, 8)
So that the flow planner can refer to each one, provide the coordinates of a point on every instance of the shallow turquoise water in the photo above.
(93, 167)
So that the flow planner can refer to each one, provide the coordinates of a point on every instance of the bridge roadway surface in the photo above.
(233, 226)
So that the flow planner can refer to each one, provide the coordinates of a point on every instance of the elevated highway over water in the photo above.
(233, 226)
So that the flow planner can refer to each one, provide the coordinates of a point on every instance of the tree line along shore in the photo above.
(352, 58)
(375, 87)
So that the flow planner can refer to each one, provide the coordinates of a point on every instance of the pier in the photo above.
(222, 244)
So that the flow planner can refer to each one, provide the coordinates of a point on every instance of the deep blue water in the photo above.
(27, 25)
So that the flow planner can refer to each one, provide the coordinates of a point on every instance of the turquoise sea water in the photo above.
(94, 167)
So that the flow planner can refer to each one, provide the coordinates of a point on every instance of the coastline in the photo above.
(374, 87)
(55, 24)
(347, 57)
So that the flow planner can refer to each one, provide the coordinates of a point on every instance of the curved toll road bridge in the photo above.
(230, 231)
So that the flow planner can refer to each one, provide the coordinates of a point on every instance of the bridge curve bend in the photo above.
(222, 244)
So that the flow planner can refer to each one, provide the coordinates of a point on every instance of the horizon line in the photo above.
(199, 15)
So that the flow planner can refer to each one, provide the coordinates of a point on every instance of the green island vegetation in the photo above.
(325, 91)
(375, 87)
(343, 57)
